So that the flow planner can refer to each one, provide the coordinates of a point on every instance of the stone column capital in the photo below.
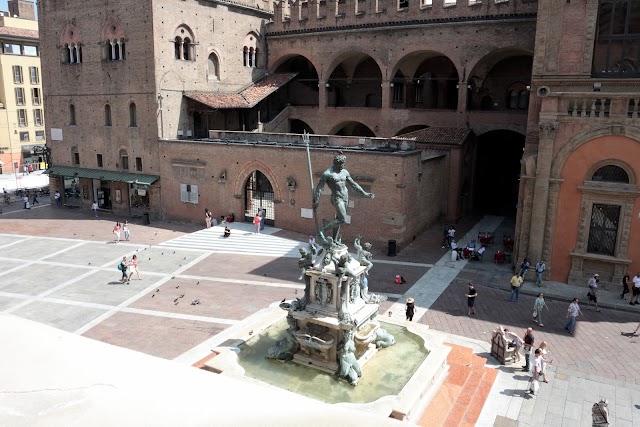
(548, 129)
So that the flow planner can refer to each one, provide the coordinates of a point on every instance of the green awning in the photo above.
(103, 175)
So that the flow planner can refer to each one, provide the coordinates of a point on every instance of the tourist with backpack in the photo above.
(122, 266)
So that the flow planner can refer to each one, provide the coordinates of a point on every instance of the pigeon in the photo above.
(157, 290)
(174, 252)
(149, 259)
(176, 300)
(283, 300)
(153, 295)
(198, 283)
(181, 296)
(176, 303)
(184, 258)
(162, 253)
(89, 263)
(177, 286)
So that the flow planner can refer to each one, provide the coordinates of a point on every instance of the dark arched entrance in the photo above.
(299, 126)
(352, 129)
(303, 89)
(259, 197)
(497, 172)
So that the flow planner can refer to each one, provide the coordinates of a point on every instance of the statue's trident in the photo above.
(305, 139)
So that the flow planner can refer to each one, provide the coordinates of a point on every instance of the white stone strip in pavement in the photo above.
(407, 263)
(70, 265)
(17, 242)
(22, 210)
(260, 317)
(242, 281)
(139, 295)
(431, 285)
(64, 239)
(27, 263)
(62, 285)
(14, 295)
(181, 316)
(396, 296)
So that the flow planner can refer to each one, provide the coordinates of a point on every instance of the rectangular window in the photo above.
(99, 160)
(37, 117)
(426, 3)
(398, 92)
(449, 2)
(34, 75)
(76, 158)
(603, 232)
(35, 96)
(39, 135)
(139, 164)
(22, 117)
(12, 49)
(17, 74)
(19, 96)
(124, 163)
(24, 136)
(403, 4)
(189, 193)
(30, 50)
(617, 46)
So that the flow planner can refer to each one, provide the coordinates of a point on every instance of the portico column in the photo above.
(541, 190)
(113, 50)
(386, 94)
(463, 94)
(322, 95)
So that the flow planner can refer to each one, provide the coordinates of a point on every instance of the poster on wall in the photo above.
(118, 196)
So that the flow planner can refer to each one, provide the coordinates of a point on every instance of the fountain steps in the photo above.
(463, 393)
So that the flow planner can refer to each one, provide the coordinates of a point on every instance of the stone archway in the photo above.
(259, 198)
(497, 172)
(356, 81)
(304, 88)
(352, 128)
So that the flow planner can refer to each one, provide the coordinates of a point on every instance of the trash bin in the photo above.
(146, 218)
(392, 248)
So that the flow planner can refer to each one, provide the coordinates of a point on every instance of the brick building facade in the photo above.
(513, 77)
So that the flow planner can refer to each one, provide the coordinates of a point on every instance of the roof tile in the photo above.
(437, 135)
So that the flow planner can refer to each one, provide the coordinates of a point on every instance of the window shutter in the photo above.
(194, 194)
(184, 195)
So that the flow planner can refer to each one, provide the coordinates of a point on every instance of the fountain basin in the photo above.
(364, 338)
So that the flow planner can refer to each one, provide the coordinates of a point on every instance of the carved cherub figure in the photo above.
(305, 261)
(364, 254)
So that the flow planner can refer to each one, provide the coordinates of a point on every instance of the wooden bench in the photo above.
(500, 347)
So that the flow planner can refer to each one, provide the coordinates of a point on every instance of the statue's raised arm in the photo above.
(357, 187)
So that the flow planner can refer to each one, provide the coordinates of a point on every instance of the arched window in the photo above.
(513, 99)
(72, 115)
(178, 47)
(611, 173)
(250, 51)
(115, 49)
(107, 115)
(133, 120)
(71, 43)
(523, 99)
(186, 49)
(212, 67)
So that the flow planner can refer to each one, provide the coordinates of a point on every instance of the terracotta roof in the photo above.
(246, 98)
(18, 32)
(437, 135)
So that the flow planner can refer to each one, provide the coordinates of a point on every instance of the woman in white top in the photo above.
(545, 353)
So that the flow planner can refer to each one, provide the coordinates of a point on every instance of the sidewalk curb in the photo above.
(555, 297)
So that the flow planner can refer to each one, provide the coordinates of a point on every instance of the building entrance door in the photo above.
(259, 197)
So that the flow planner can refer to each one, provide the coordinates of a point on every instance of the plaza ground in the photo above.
(59, 268)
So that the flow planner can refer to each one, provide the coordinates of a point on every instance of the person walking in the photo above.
(25, 200)
(538, 306)
(25, 169)
(516, 283)
(625, 285)
(545, 361)
(116, 231)
(572, 314)
(122, 266)
(529, 340)
(35, 199)
(540, 268)
(134, 268)
(94, 208)
(207, 218)
(592, 296)
(256, 222)
(537, 370)
(636, 289)
(56, 196)
(450, 235)
(471, 299)
(524, 268)
(410, 309)
(125, 230)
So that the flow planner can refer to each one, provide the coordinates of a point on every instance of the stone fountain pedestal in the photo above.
(335, 304)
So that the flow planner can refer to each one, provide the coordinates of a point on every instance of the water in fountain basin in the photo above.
(385, 374)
